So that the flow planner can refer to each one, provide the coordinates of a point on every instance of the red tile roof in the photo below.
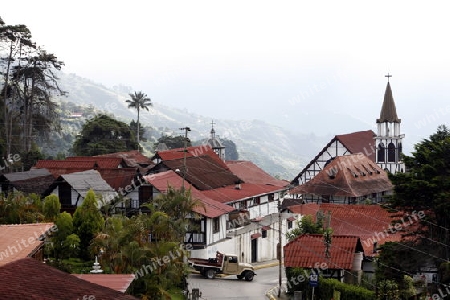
(21, 240)
(60, 167)
(347, 176)
(102, 161)
(211, 208)
(251, 173)
(203, 172)
(118, 178)
(230, 193)
(28, 278)
(359, 142)
(117, 282)
(308, 251)
(368, 222)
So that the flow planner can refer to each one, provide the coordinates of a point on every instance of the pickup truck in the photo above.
(227, 264)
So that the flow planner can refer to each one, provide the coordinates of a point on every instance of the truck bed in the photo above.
(206, 262)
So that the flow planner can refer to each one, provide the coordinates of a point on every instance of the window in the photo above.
(65, 194)
(145, 193)
(391, 152)
(232, 259)
(271, 197)
(289, 224)
(243, 204)
(216, 225)
(256, 201)
(380, 153)
(264, 234)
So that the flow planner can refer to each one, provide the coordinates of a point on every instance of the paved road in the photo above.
(230, 287)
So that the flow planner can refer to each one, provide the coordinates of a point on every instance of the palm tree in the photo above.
(139, 100)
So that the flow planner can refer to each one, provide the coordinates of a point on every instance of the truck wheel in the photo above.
(210, 274)
(239, 276)
(248, 276)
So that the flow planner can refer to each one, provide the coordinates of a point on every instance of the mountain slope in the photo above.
(278, 151)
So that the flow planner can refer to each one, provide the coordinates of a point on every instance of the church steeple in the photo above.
(388, 110)
(389, 139)
(215, 143)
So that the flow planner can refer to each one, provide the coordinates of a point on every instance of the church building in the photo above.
(383, 148)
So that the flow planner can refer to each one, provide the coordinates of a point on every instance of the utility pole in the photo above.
(279, 248)
(186, 130)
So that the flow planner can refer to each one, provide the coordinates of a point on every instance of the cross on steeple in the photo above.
(212, 123)
(388, 76)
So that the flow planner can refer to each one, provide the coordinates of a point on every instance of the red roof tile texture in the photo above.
(60, 167)
(21, 240)
(368, 222)
(203, 172)
(359, 142)
(308, 251)
(211, 209)
(118, 178)
(251, 173)
(101, 161)
(28, 278)
(347, 176)
(231, 193)
(117, 282)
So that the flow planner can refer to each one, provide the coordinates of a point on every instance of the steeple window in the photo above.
(391, 152)
(381, 153)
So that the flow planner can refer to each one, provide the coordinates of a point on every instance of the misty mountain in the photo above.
(282, 152)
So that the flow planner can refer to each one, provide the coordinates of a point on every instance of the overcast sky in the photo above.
(278, 61)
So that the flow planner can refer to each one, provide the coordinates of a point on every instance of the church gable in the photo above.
(344, 144)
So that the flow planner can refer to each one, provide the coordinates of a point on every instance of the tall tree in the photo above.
(30, 80)
(139, 101)
(103, 134)
(426, 187)
(51, 207)
(87, 221)
(16, 39)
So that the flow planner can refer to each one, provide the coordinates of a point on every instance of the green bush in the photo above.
(327, 287)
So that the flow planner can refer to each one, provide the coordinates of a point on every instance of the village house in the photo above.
(123, 171)
(72, 188)
(341, 260)
(249, 224)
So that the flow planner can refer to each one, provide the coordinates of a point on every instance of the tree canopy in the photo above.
(426, 187)
(102, 135)
(173, 142)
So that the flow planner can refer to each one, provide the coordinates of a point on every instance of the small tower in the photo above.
(389, 139)
(215, 143)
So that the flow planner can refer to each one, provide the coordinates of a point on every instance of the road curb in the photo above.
(266, 265)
